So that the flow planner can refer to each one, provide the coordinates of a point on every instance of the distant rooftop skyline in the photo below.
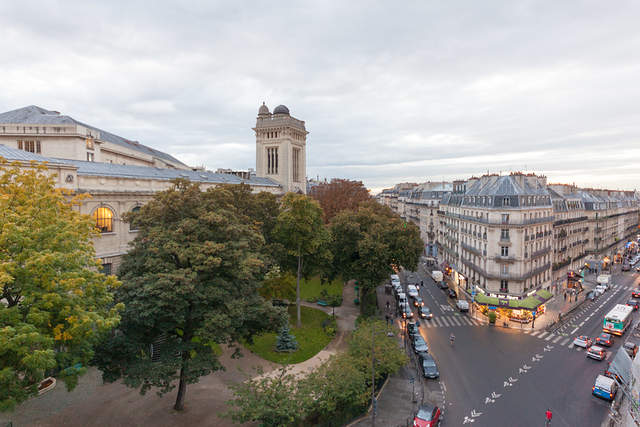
(389, 93)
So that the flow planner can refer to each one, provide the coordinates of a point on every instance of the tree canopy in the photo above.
(300, 231)
(339, 195)
(55, 303)
(368, 243)
(190, 281)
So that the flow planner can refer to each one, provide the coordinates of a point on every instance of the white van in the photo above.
(462, 305)
(605, 387)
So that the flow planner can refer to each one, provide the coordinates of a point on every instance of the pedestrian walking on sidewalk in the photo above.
(565, 297)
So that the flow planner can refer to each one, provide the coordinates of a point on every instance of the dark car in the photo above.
(417, 301)
(635, 293)
(419, 344)
(412, 329)
(429, 367)
(604, 339)
(452, 293)
(425, 312)
(633, 303)
(443, 285)
(427, 416)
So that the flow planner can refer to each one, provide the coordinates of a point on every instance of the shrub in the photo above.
(492, 317)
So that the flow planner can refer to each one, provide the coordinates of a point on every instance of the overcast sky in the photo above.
(390, 91)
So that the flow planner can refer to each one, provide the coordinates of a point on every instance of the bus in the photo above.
(618, 319)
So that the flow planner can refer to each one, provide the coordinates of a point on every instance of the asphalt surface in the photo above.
(493, 376)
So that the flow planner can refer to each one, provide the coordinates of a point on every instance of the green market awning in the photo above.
(539, 297)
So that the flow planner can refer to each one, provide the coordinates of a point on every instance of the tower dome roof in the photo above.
(263, 110)
(281, 109)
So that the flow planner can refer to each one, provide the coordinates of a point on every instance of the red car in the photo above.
(635, 293)
(427, 416)
(633, 303)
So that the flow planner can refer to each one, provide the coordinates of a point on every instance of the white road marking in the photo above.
(543, 334)
(535, 333)
(557, 339)
(549, 337)
(565, 341)
(574, 331)
(445, 321)
(454, 321)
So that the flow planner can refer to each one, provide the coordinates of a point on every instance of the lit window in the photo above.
(104, 219)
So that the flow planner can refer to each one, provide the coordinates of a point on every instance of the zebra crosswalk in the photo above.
(560, 339)
(450, 321)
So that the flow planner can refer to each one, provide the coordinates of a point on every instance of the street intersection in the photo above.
(494, 376)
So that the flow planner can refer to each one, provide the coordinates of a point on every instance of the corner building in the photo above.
(496, 234)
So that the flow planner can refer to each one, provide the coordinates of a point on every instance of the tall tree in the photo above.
(55, 303)
(300, 230)
(189, 282)
(368, 243)
(339, 195)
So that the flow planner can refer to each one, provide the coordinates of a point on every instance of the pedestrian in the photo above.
(388, 305)
(565, 297)
(421, 283)
(548, 415)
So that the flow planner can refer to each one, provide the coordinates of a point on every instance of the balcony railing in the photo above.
(541, 252)
(471, 249)
(510, 221)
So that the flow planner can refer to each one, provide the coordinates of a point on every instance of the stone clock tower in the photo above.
(281, 148)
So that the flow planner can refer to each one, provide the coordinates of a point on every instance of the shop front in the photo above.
(520, 310)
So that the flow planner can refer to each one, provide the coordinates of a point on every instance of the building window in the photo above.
(504, 250)
(106, 268)
(89, 143)
(504, 235)
(296, 165)
(505, 269)
(90, 157)
(272, 160)
(505, 218)
(506, 201)
(104, 219)
(30, 146)
(504, 286)
(133, 225)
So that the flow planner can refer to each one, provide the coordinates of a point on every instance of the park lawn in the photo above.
(311, 338)
(310, 289)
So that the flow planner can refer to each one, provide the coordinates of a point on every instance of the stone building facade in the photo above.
(117, 183)
(511, 235)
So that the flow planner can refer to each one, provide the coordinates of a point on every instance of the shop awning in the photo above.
(539, 297)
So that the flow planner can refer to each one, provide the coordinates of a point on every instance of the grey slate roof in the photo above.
(37, 115)
(131, 171)
(505, 186)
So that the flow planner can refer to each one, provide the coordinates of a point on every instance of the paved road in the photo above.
(501, 377)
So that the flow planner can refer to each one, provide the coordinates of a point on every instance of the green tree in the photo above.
(388, 356)
(368, 243)
(55, 304)
(300, 230)
(279, 285)
(189, 282)
(273, 400)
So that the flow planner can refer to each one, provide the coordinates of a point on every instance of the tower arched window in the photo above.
(103, 217)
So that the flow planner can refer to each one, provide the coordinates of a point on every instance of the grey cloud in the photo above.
(390, 91)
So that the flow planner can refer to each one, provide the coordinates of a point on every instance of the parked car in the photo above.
(605, 387)
(604, 339)
(633, 303)
(395, 277)
(419, 344)
(429, 367)
(582, 341)
(443, 285)
(596, 352)
(635, 293)
(601, 289)
(427, 416)
(452, 293)
(413, 329)
(425, 313)
(630, 348)
(417, 301)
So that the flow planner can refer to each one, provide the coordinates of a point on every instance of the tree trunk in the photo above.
(182, 388)
(298, 321)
